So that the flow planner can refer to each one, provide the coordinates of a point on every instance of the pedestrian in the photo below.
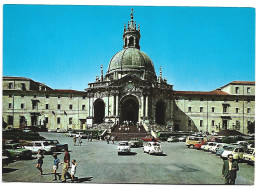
(74, 140)
(91, 136)
(113, 139)
(55, 166)
(88, 136)
(108, 138)
(229, 170)
(73, 169)
(39, 157)
(66, 165)
(80, 141)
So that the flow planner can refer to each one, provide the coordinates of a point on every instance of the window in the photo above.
(190, 99)
(248, 110)
(10, 95)
(201, 109)
(58, 106)
(237, 90)
(248, 90)
(46, 106)
(58, 96)
(84, 97)
(201, 123)
(70, 106)
(212, 123)
(213, 99)
(22, 95)
(83, 107)
(189, 109)
(46, 120)
(237, 110)
(248, 101)
(236, 100)
(10, 86)
(58, 120)
(70, 96)
(10, 120)
(189, 122)
(70, 120)
(10, 105)
(201, 99)
(34, 105)
(224, 109)
(23, 86)
(35, 96)
(22, 106)
(47, 96)
(213, 109)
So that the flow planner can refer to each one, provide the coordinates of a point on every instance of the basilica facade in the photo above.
(130, 91)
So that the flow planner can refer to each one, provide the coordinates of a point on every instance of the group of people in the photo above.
(112, 138)
(89, 138)
(56, 163)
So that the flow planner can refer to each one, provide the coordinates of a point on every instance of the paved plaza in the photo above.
(97, 159)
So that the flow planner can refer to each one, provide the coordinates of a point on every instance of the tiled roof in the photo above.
(17, 78)
(242, 82)
(67, 91)
(214, 92)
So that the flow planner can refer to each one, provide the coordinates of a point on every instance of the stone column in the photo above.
(117, 103)
(146, 106)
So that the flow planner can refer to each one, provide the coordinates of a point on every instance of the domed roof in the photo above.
(131, 58)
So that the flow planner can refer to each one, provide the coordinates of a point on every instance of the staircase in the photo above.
(124, 132)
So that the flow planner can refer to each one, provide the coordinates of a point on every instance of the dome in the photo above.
(131, 59)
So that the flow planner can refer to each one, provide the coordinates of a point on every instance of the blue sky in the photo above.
(199, 48)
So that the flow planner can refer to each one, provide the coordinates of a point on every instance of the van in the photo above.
(192, 140)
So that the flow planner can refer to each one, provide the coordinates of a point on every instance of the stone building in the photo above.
(129, 91)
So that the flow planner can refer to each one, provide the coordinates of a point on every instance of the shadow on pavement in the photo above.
(83, 179)
(8, 170)
(128, 154)
(159, 154)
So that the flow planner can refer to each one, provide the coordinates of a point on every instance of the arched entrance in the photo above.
(99, 111)
(129, 109)
(160, 113)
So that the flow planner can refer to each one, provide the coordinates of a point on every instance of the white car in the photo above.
(123, 147)
(81, 135)
(204, 145)
(236, 151)
(153, 148)
(217, 146)
(34, 146)
(209, 146)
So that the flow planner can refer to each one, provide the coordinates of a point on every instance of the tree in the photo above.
(251, 127)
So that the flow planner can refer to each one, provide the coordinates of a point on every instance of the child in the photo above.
(73, 169)
(39, 157)
(55, 166)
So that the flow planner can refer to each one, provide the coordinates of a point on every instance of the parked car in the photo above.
(27, 130)
(173, 139)
(123, 147)
(216, 147)
(182, 138)
(199, 144)
(52, 130)
(236, 151)
(17, 151)
(249, 156)
(192, 140)
(153, 148)
(209, 146)
(81, 134)
(59, 146)
(34, 146)
(135, 142)
(221, 150)
(70, 134)
(245, 144)
(150, 138)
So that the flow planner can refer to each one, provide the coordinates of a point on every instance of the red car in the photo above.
(198, 146)
(150, 138)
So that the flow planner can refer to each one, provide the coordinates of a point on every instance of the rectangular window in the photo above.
(10, 95)
(201, 109)
(190, 99)
(84, 97)
(70, 96)
(23, 86)
(189, 122)
(58, 96)
(22, 106)
(46, 120)
(201, 99)
(70, 120)
(58, 120)
(224, 109)
(213, 99)
(236, 100)
(237, 110)
(35, 96)
(212, 123)
(237, 90)
(248, 90)
(47, 96)
(201, 123)
(10, 105)
(189, 109)
(248, 123)
(10, 120)
(248, 110)
(10, 86)
(248, 101)
(46, 106)
(83, 107)
(70, 106)
(22, 95)
(34, 105)
(213, 109)
(58, 106)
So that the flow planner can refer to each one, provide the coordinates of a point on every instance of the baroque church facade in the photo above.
(129, 91)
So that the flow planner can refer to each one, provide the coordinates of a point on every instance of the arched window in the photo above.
(131, 41)
(99, 111)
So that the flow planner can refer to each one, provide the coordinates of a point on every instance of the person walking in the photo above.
(55, 166)
(74, 140)
(80, 141)
(113, 139)
(229, 170)
(39, 157)
(88, 136)
(91, 136)
(73, 169)
(66, 165)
